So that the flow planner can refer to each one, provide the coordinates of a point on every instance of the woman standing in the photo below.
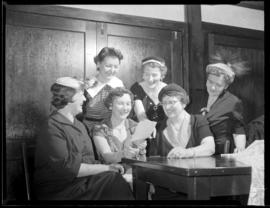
(65, 167)
(223, 110)
(147, 105)
(108, 62)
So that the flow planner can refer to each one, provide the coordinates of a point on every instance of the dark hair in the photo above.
(162, 67)
(117, 92)
(172, 90)
(62, 95)
(107, 51)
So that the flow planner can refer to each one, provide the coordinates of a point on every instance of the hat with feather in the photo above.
(228, 63)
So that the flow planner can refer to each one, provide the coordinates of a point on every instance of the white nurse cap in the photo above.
(69, 82)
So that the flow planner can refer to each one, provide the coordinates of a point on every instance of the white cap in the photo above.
(69, 82)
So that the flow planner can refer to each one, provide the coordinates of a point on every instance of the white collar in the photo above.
(95, 88)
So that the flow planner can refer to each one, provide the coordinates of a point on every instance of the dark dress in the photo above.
(225, 118)
(153, 112)
(59, 154)
(199, 130)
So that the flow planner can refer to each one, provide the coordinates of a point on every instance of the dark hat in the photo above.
(171, 89)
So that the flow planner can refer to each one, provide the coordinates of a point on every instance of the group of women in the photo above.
(82, 160)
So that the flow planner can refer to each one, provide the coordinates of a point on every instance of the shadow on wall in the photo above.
(250, 89)
(23, 120)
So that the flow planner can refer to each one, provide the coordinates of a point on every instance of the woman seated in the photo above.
(65, 164)
(223, 110)
(113, 136)
(181, 135)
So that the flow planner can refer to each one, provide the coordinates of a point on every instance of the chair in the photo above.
(28, 168)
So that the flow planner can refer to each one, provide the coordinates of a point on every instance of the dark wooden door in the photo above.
(38, 49)
(137, 43)
(249, 88)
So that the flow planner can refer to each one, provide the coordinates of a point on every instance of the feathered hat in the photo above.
(229, 63)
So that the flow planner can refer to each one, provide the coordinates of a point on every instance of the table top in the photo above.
(213, 165)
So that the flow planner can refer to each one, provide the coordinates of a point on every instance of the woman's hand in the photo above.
(130, 152)
(180, 152)
(141, 144)
(117, 168)
(204, 111)
(153, 135)
(239, 149)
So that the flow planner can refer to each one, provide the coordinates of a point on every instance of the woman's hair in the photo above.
(62, 95)
(107, 51)
(154, 61)
(224, 61)
(117, 92)
(174, 90)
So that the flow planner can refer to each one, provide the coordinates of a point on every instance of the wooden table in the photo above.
(199, 178)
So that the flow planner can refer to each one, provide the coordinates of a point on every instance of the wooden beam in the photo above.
(99, 16)
(196, 46)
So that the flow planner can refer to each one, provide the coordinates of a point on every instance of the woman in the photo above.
(147, 105)
(65, 164)
(108, 62)
(113, 136)
(224, 111)
(180, 135)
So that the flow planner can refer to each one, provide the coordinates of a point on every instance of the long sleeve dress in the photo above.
(199, 130)
(60, 151)
(162, 146)
(225, 118)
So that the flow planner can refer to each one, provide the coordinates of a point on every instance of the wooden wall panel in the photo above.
(130, 70)
(249, 45)
(137, 43)
(35, 57)
(249, 88)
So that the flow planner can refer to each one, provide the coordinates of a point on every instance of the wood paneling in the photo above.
(39, 49)
(248, 44)
(34, 59)
(250, 88)
(232, 31)
(46, 42)
(196, 47)
(137, 43)
(98, 16)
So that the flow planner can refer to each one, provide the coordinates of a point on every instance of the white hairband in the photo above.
(153, 60)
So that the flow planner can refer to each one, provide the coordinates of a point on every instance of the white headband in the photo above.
(69, 82)
(153, 60)
(226, 68)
